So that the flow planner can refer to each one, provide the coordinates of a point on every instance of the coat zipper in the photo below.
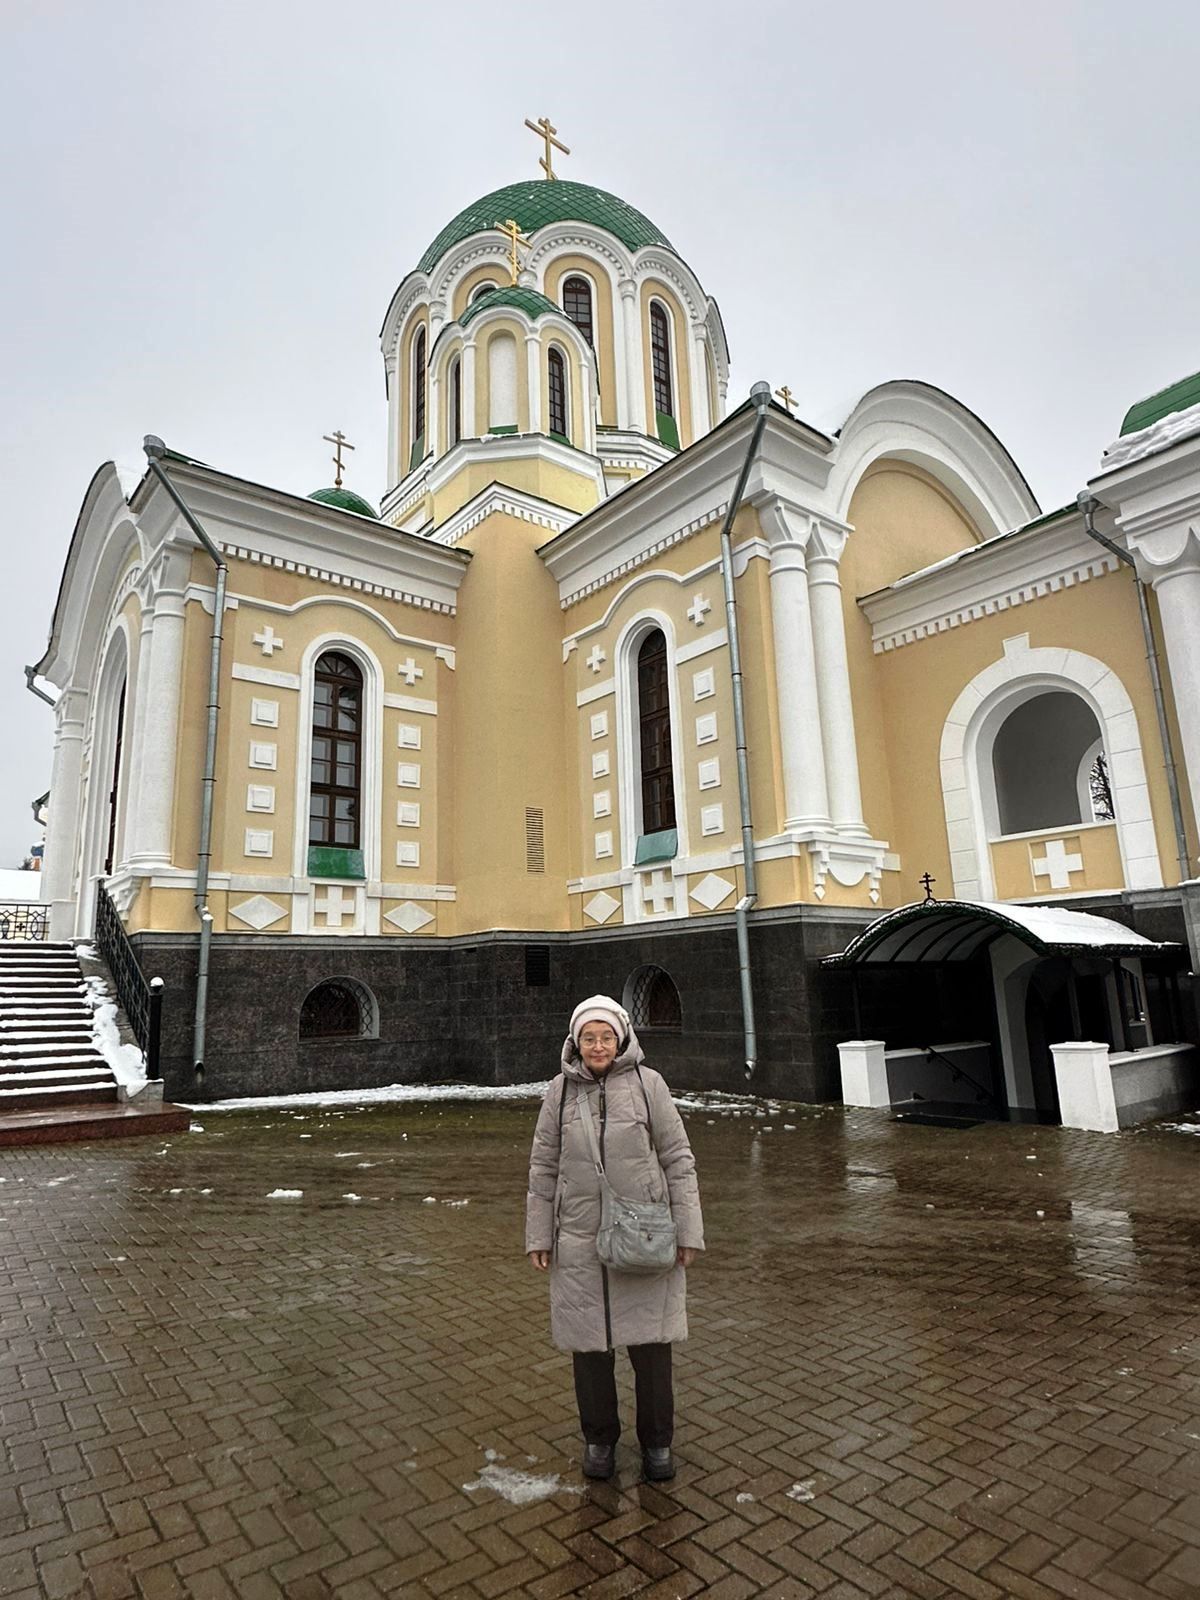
(608, 1339)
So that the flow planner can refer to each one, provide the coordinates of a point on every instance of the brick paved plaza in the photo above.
(924, 1362)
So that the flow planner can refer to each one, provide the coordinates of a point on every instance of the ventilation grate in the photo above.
(535, 840)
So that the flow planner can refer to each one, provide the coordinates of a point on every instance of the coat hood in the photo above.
(572, 1064)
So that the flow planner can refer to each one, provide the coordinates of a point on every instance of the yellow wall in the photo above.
(491, 272)
(1095, 846)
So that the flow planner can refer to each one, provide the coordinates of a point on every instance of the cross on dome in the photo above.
(546, 130)
(340, 442)
(516, 240)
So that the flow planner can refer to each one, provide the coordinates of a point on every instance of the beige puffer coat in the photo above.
(594, 1307)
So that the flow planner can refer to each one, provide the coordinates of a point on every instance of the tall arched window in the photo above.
(456, 402)
(1042, 760)
(577, 303)
(557, 374)
(335, 787)
(652, 1000)
(660, 358)
(654, 730)
(419, 390)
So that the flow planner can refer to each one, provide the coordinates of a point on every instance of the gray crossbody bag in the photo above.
(635, 1235)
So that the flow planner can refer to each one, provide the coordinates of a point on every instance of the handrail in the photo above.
(142, 1001)
(24, 919)
(957, 1072)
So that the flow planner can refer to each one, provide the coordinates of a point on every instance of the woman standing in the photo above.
(645, 1153)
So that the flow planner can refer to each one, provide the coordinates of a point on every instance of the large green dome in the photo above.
(538, 201)
(345, 500)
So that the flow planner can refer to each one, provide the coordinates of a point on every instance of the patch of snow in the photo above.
(745, 1499)
(195, 1127)
(285, 1194)
(803, 1491)
(1181, 1127)
(519, 1488)
(384, 1096)
(126, 1060)
(429, 1200)
(456, 1202)
(352, 1197)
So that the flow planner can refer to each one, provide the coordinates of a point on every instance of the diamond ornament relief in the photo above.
(711, 891)
(409, 917)
(600, 907)
(258, 912)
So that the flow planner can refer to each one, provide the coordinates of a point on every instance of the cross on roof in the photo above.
(512, 232)
(928, 883)
(788, 398)
(340, 442)
(546, 130)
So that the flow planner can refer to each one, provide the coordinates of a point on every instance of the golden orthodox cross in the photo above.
(516, 239)
(546, 130)
(340, 442)
(788, 398)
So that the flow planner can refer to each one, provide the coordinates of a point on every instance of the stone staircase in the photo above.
(55, 1085)
(47, 1056)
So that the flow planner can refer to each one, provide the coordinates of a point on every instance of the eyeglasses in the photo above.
(592, 1039)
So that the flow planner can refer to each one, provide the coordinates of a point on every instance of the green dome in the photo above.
(345, 500)
(538, 201)
(529, 301)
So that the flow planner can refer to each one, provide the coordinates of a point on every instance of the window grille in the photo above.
(537, 966)
(535, 839)
(337, 1009)
(557, 375)
(456, 402)
(660, 360)
(577, 303)
(654, 729)
(335, 788)
(653, 1000)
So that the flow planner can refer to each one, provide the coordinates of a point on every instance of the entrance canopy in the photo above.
(956, 930)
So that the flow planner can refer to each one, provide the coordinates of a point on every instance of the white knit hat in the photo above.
(600, 1008)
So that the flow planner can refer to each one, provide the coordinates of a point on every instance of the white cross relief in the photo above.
(267, 640)
(658, 893)
(410, 671)
(597, 658)
(699, 609)
(1056, 864)
(333, 905)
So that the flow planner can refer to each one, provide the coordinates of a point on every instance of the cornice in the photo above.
(498, 499)
(984, 580)
(499, 448)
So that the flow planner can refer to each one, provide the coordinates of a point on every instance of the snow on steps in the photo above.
(48, 1054)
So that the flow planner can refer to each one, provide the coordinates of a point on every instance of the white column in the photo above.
(805, 795)
(435, 432)
(469, 427)
(533, 366)
(1178, 593)
(393, 442)
(156, 780)
(833, 680)
(63, 819)
(635, 378)
(699, 383)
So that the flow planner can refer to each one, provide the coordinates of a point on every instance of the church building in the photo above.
(475, 752)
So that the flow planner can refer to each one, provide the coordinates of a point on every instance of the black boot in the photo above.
(658, 1465)
(599, 1460)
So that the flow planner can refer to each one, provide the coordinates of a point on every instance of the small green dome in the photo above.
(345, 500)
(537, 202)
(529, 301)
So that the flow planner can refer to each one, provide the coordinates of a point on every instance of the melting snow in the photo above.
(519, 1488)
(285, 1194)
(393, 1092)
(803, 1491)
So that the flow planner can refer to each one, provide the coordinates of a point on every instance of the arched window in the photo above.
(338, 1009)
(577, 303)
(660, 358)
(654, 734)
(557, 373)
(456, 402)
(480, 290)
(1042, 758)
(335, 788)
(419, 391)
(652, 1000)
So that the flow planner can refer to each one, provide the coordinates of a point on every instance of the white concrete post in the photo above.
(156, 788)
(63, 819)
(833, 680)
(698, 383)
(393, 440)
(533, 365)
(806, 799)
(1085, 1087)
(635, 382)
(864, 1072)
(470, 428)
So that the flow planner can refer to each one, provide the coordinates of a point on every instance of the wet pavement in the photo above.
(923, 1362)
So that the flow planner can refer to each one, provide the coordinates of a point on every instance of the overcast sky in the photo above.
(208, 207)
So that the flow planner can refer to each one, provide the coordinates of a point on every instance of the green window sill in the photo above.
(662, 846)
(332, 861)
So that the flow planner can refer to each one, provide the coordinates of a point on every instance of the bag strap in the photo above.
(589, 1128)
(649, 1112)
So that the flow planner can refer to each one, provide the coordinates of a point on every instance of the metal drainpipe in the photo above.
(156, 450)
(30, 675)
(760, 394)
(1088, 504)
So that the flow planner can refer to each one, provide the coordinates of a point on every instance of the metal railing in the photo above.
(142, 1001)
(958, 1073)
(24, 919)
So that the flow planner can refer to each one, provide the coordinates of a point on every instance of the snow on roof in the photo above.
(955, 930)
(17, 885)
(1054, 925)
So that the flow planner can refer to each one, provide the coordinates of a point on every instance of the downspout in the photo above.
(1088, 504)
(156, 451)
(30, 675)
(760, 394)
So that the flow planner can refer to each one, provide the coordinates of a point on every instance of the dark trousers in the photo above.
(596, 1392)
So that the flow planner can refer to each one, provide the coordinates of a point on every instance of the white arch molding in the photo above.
(113, 681)
(629, 787)
(1021, 673)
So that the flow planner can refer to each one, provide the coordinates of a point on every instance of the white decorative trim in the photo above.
(697, 524)
(259, 842)
(408, 736)
(344, 580)
(499, 499)
(446, 653)
(409, 917)
(599, 724)
(984, 580)
(263, 755)
(1021, 673)
(264, 713)
(258, 912)
(846, 861)
(260, 797)
(276, 680)
(408, 702)
(717, 640)
(601, 907)
(598, 691)
(703, 684)
(600, 764)
(709, 773)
